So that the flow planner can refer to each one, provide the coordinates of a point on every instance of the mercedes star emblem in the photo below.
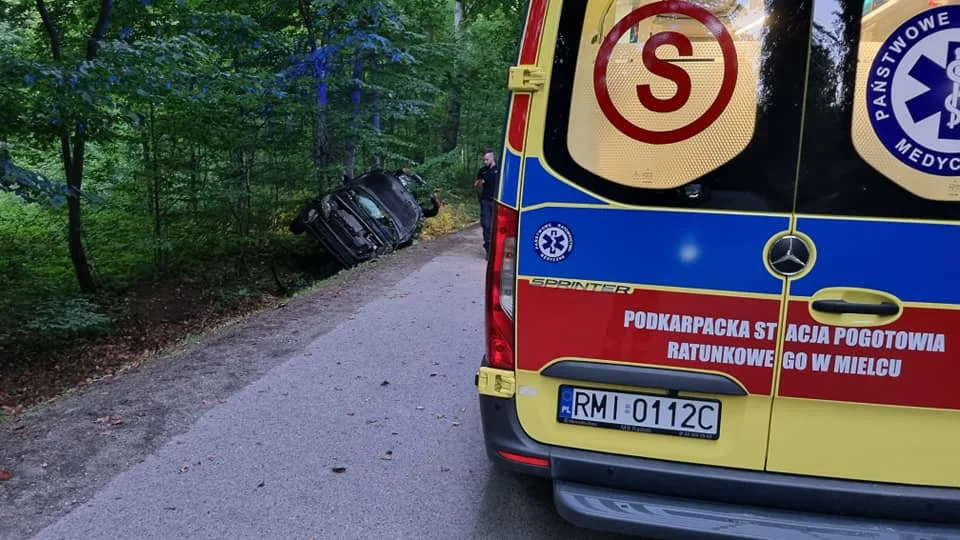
(789, 255)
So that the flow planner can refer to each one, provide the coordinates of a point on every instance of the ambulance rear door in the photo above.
(659, 168)
(867, 388)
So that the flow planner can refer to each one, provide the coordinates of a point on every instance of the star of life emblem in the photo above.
(952, 101)
(553, 242)
(913, 92)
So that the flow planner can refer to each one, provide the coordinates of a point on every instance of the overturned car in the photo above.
(367, 216)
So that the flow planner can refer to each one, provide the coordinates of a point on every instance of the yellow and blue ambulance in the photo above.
(723, 294)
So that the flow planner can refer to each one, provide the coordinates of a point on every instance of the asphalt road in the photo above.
(362, 423)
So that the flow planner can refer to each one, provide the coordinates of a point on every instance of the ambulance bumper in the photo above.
(660, 499)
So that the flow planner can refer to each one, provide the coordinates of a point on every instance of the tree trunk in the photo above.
(451, 133)
(377, 128)
(73, 164)
(74, 171)
(156, 194)
(247, 202)
(321, 145)
(351, 160)
(194, 180)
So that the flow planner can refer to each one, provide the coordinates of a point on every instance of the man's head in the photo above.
(488, 159)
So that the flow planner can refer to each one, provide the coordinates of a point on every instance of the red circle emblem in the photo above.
(727, 84)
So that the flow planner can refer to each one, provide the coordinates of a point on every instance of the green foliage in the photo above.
(60, 316)
(208, 124)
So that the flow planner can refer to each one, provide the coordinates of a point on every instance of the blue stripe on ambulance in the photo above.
(661, 248)
(888, 256)
(539, 186)
(510, 179)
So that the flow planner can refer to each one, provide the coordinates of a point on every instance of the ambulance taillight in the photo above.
(501, 278)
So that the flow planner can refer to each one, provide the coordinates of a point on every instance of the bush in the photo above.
(58, 318)
(451, 218)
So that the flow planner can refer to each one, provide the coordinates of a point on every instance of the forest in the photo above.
(153, 153)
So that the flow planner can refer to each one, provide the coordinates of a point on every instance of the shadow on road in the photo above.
(515, 506)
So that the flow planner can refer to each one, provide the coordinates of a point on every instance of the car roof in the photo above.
(388, 189)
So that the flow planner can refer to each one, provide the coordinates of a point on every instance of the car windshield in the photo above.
(371, 207)
(376, 213)
(392, 195)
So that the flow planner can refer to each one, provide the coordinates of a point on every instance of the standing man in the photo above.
(487, 183)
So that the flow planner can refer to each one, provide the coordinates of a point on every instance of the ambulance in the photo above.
(723, 292)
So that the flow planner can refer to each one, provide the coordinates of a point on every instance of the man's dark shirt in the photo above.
(490, 176)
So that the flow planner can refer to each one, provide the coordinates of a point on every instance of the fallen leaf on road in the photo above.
(444, 469)
(184, 468)
(387, 456)
(4, 475)
(339, 469)
(109, 420)
(456, 423)
(261, 484)
(351, 413)
(419, 407)
(372, 421)
(384, 383)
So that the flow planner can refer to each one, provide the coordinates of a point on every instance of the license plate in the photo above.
(649, 413)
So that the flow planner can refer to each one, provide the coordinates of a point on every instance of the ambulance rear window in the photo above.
(704, 103)
(658, 102)
(882, 126)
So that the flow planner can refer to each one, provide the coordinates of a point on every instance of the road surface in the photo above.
(350, 413)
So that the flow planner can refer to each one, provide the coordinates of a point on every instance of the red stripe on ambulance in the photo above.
(531, 34)
(909, 362)
(723, 334)
(518, 121)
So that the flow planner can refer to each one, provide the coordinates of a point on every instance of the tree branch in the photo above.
(99, 30)
(308, 24)
(52, 31)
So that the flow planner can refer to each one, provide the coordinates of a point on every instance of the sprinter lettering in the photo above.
(580, 285)
(687, 324)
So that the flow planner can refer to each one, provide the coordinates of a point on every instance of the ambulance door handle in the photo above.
(842, 306)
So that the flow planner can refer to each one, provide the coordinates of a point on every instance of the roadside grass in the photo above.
(32, 376)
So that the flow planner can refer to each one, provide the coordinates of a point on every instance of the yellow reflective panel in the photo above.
(665, 92)
(906, 115)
